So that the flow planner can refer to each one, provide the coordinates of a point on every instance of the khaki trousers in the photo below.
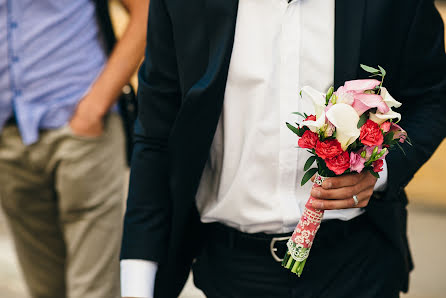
(63, 198)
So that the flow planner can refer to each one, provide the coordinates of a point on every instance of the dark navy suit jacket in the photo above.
(181, 90)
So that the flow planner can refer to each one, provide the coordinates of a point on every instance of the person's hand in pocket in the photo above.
(87, 120)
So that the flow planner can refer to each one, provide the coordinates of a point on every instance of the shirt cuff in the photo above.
(138, 278)
(381, 183)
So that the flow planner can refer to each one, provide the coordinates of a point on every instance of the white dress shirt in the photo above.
(251, 181)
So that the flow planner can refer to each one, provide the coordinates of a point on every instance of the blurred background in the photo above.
(427, 222)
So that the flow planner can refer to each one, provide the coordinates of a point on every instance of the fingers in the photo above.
(336, 193)
(345, 203)
(343, 181)
(312, 178)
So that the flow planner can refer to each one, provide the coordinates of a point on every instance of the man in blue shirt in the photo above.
(62, 146)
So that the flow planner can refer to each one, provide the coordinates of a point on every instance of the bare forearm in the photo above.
(124, 59)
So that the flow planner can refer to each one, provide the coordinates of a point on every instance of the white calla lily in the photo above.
(388, 99)
(345, 119)
(316, 97)
(381, 118)
(314, 126)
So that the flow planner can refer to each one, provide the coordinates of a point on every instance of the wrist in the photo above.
(96, 108)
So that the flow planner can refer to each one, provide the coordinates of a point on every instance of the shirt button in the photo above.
(15, 59)
(17, 92)
(14, 25)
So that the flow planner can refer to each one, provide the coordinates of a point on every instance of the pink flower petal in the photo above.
(364, 102)
(361, 85)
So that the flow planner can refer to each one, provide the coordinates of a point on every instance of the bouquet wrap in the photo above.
(300, 243)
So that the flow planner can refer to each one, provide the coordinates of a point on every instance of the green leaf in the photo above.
(383, 71)
(363, 119)
(374, 173)
(299, 114)
(329, 95)
(401, 148)
(408, 141)
(308, 176)
(292, 128)
(369, 69)
(388, 138)
(309, 163)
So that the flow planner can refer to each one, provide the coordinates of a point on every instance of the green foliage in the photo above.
(381, 72)
(363, 119)
(293, 129)
(374, 173)
(309, 163)
(299, 114)
(400, 147)
(370, 69)
(307, 176)
(329, 95)
(388, 138)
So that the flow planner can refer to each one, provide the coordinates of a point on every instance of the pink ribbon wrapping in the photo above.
(309, 224)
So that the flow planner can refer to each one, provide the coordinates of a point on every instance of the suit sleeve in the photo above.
(147, 218)
(423, 91)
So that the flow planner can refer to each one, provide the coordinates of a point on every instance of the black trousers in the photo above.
(348, 259)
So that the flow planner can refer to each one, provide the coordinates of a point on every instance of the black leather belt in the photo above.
(274, 245)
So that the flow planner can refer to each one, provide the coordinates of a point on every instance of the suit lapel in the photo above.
(349, 15)
(197, 121)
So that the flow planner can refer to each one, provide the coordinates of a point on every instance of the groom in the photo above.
(215, 174)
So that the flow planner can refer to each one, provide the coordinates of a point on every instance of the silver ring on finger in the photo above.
(355, 198)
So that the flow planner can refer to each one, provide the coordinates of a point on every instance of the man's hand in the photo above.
(338, 192)
(87, 119)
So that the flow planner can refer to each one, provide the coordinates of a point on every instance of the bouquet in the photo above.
(352, 130)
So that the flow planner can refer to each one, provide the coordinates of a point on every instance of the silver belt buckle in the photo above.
(273, 249)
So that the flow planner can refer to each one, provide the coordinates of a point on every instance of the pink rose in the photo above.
(356, 162)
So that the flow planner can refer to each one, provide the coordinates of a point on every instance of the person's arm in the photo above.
(121, 65)
(423, 87)
(148, 215)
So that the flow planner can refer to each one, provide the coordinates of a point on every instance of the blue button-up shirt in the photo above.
(50, 54)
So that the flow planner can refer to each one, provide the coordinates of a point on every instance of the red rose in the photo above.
(328, 148)
(378, 166)
(308, 140)
(339, 164)
(371, 134)
(311, 118)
